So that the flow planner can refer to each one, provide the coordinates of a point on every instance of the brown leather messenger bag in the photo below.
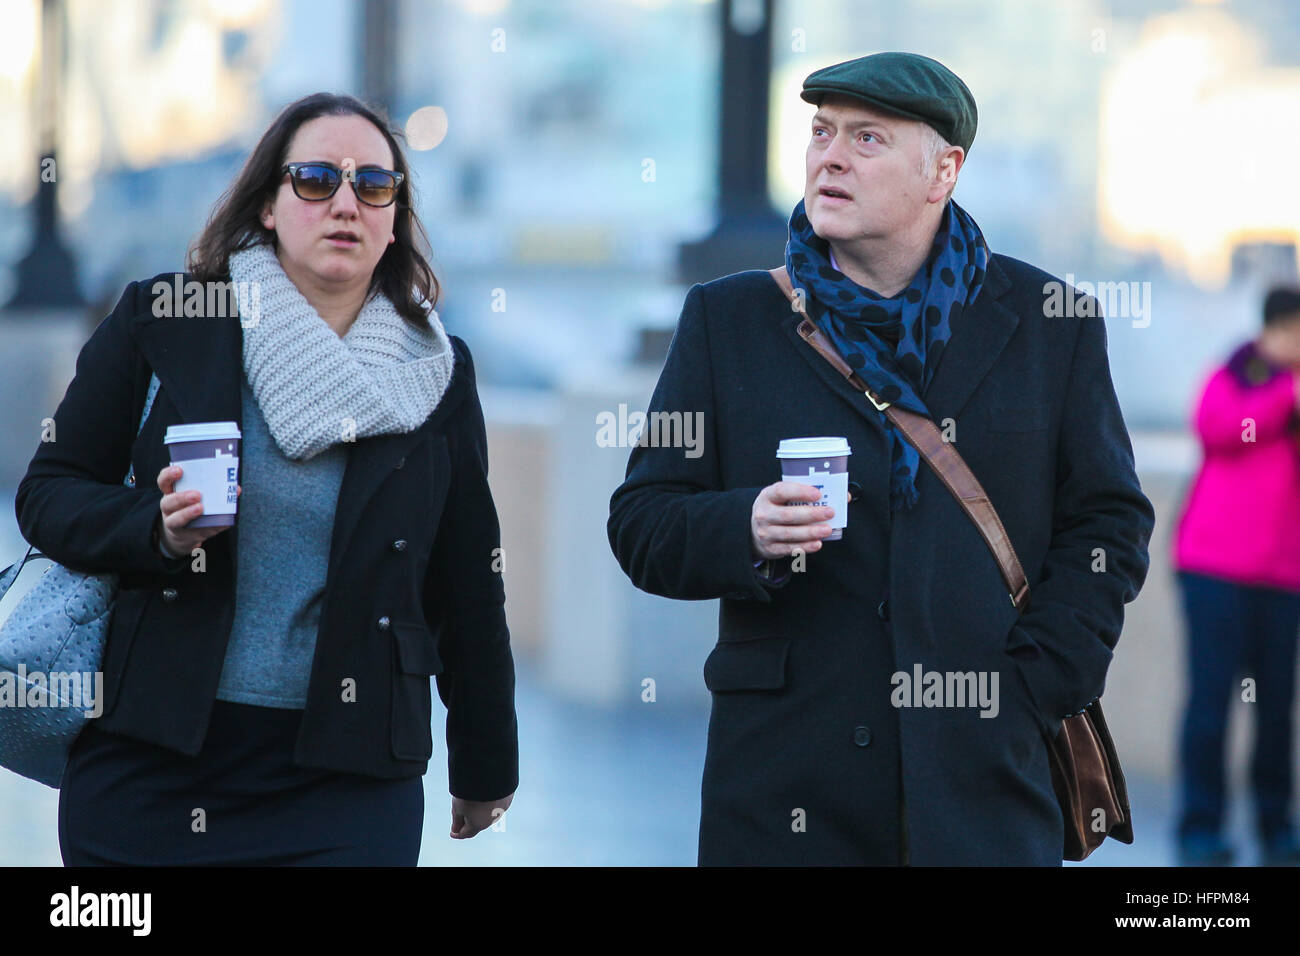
(1086, 774)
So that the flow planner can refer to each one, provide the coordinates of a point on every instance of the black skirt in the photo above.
(240, 801)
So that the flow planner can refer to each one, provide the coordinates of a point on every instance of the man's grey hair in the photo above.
(932, 144)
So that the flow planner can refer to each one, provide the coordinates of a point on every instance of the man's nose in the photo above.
(835, 155)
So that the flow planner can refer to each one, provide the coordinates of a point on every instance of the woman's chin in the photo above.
(339, 273)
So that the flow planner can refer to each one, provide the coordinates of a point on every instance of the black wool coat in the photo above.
(411, 590)
(809, 760)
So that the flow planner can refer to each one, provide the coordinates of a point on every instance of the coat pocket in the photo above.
(130, 611)
(417, 651)
(1049, 727)
(752, 664)
(1019, 418)
(415, 659)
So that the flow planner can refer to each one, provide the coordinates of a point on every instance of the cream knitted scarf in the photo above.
(316, 389)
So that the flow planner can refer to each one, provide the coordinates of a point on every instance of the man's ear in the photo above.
(957, 157)
(945, 173)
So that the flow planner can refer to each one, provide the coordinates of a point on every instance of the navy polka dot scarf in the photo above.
(854, 318)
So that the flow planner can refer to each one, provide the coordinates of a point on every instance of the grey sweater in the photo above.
(386, 376)
(286, 518)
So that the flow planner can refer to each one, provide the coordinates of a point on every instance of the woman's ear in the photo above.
(267, 215)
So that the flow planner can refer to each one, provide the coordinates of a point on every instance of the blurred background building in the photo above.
(578, 164)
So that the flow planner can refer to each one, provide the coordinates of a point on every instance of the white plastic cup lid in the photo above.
(201, 431)
(824, 447)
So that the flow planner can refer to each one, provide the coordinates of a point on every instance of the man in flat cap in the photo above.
(836, 736)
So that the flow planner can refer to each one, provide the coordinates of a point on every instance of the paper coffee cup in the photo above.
(208, 454)
(824, 464)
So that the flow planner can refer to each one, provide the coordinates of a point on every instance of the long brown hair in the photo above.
(402, 274)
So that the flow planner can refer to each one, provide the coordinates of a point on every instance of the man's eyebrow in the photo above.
(820, 117)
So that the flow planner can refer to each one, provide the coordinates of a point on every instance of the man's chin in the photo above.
(835, 228)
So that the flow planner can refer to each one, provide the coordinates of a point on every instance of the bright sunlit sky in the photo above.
(1174, 121)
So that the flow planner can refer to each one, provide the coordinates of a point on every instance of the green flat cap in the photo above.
(909, 84)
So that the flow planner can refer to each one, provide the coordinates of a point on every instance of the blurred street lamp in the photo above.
(47, 275)
(378, 66)
(750, 234)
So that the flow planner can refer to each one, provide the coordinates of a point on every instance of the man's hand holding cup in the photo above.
(795, 515)
(778, 528)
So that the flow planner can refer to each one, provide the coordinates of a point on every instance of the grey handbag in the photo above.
(51, 646)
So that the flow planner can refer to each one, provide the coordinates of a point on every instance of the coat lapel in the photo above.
(370, 460)
(823, 369)
(198, 360)
(979, 335)
(199, 363)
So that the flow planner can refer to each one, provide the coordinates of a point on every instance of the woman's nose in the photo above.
(344, 200)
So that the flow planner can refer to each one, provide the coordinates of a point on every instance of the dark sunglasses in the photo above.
(316, 182)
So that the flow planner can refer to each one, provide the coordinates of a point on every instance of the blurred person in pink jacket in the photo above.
(1237, 557)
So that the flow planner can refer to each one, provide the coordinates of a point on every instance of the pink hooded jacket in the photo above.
(1241, 517)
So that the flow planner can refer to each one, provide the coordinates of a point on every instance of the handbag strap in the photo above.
(148, 404)
(10, 574)
(940, 455)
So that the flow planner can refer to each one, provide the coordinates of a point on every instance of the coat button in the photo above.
(862, 736)
(855, 492)
(400, 462)
(169, 594)
(383, 623)
(399, 544)
(882, 610)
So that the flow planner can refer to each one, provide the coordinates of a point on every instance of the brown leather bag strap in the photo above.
(941, 456)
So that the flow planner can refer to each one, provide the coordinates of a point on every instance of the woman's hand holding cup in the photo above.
(179, 508)
(777, 529)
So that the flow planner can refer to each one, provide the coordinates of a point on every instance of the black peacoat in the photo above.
(814, 755)
(411, 588)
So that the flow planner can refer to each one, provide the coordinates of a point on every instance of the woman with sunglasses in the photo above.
(267, 686)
